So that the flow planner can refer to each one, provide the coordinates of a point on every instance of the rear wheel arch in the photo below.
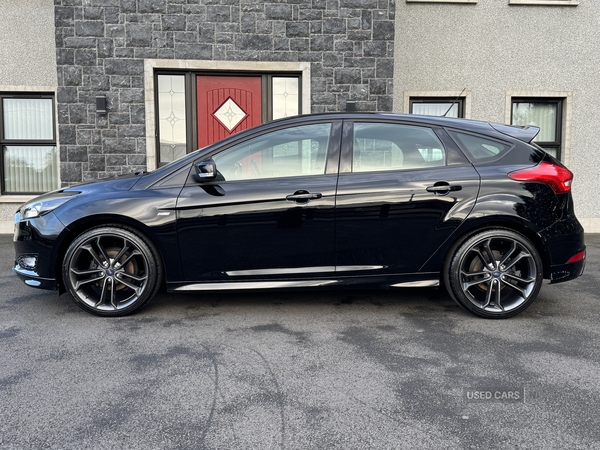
(494, 272)
(504, 225)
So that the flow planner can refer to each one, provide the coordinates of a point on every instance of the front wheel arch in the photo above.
(76, 229)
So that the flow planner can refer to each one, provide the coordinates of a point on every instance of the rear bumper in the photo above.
(566, 272)
(564, 241)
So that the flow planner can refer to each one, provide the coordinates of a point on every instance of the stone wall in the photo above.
(102, 44)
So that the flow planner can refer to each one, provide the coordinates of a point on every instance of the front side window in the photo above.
(545, 114)
(290, 152)
(27, 137)
(379, 147)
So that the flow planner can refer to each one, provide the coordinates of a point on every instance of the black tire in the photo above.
(111, 271)
(494, 274)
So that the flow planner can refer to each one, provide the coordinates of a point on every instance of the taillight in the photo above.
(576, 257)
(555, 176)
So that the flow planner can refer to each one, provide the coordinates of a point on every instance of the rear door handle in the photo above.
(303, 196)
(441, 187)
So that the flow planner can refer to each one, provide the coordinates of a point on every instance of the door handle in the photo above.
(443, 188)
(303, 196)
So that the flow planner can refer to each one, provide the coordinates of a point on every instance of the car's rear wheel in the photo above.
(111, 271)
(495, 274)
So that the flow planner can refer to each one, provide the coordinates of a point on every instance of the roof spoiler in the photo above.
(525, 134)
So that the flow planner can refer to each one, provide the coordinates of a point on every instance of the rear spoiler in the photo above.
(525, 134)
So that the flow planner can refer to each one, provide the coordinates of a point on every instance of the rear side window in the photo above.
(480, 148)
(384, 146)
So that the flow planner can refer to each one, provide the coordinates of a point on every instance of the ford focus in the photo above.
(318, 201)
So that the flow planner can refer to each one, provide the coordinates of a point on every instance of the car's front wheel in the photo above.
(111, 271)
(494, 274)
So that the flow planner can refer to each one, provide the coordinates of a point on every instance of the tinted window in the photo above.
(386, 146)
(291, 152)
(481, 148)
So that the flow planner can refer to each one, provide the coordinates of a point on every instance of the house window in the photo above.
(437, 106)
(545, 2)
(171, 117)
(545, 113)
(442, 1)
(29, 163)
(285, 97)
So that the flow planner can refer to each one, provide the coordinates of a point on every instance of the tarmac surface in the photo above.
(360, 369)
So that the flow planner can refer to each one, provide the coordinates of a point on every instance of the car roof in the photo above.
(522, 133)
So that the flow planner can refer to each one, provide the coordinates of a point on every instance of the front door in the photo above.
(270, 213)
(226, 105)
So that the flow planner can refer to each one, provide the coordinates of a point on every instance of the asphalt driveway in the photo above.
(300, 370)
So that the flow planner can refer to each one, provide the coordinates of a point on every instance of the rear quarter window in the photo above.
(480, 148)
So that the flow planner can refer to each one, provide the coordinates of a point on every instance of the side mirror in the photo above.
(206, 170)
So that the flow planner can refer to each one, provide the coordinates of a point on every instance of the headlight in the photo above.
(43, 205)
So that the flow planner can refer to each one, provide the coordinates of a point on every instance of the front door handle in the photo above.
(303, 196)
(443, 188)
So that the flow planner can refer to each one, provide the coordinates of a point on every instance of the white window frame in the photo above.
(567, 115)
(218, 66)
(442, 1)
(545, 2)
(466, 96)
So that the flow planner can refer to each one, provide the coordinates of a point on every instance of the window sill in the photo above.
(545, 2)
(17, 198)
(442, 1)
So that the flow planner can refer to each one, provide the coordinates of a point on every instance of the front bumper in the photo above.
(31, 278)
(35, 242)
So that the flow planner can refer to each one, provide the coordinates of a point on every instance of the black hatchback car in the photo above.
(328, 200)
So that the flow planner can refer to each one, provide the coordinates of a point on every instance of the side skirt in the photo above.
(385, 282)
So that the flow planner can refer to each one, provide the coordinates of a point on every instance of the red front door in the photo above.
(226, 105)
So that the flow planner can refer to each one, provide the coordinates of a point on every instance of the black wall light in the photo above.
(350, 106)
(101, 105)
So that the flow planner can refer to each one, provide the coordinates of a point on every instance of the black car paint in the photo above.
(204, 222)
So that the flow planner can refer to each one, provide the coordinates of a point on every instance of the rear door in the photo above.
(401, 193)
